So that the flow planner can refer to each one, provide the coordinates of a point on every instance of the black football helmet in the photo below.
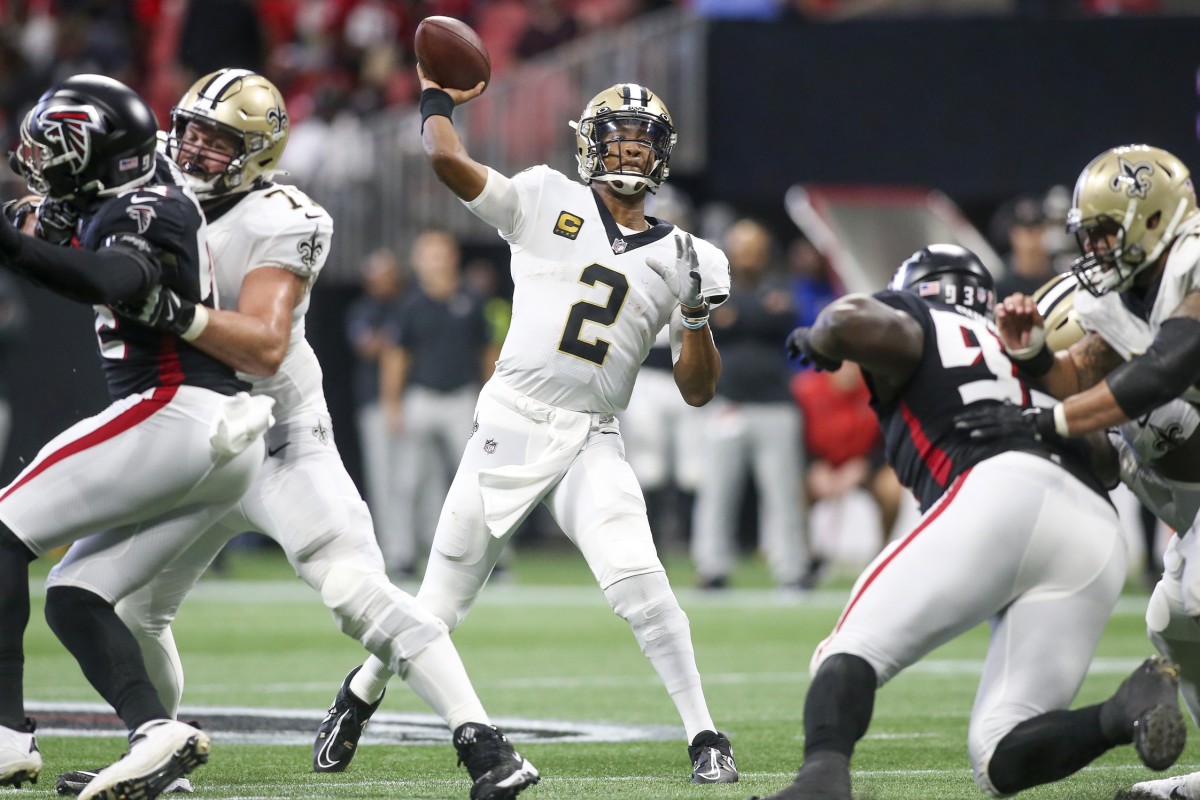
(947, 273)
(88, 136)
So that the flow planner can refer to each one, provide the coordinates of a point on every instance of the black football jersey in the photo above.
(963, 362)
(135, 356)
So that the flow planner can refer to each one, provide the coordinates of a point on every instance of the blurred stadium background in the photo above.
(868, 126)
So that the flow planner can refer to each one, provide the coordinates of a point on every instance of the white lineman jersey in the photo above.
(276, 226)
(1130, 334)
(586, 308)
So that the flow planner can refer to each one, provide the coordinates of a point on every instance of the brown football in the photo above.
(451, 53)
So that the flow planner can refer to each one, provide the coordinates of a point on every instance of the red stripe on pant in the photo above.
(949, 498)
(114, 427)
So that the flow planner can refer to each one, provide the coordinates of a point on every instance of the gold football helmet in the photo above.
(1127, 207)
(247, 107)
(622, 113)
(1056, 303)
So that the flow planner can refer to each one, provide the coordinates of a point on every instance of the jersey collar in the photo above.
(623, 242)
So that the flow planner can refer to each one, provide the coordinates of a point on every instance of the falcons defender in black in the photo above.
(129, 487)
(1016, 532)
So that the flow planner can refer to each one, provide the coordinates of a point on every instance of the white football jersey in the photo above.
(1126, 332)
(586, 308)
(276, 226)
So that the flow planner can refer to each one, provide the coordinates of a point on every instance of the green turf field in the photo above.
(543, 647)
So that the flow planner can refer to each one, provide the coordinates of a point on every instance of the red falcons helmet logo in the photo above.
(70, 128)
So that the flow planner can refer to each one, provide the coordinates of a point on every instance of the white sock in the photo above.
(647, 603)
(439, 678)
(370, 681)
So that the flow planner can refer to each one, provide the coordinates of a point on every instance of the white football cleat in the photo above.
(160, 751)
(1180, 787)
(20, 759)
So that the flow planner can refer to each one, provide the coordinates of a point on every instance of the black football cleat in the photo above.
(498, 772)
(343, 726)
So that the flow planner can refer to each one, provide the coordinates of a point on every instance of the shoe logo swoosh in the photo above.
(277, 449)
(716, 765)
(323, 759)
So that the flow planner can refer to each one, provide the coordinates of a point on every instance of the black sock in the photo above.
(106, 651)
(1047, 748)
(838, 707)
(14, 618)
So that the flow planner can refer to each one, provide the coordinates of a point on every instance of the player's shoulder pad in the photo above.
(159, 213)
(537, 174)
(283, 210)
(905, 301)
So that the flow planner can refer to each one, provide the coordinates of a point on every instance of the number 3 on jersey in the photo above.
(965, 342)
(572, 342)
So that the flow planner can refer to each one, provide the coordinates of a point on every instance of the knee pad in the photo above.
(648, 605)
(388, 622)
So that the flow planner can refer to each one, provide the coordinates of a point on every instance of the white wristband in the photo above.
(1037, 340)
(1060, 421)
(199, 323)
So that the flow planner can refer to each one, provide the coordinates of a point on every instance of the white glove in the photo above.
(683, 277)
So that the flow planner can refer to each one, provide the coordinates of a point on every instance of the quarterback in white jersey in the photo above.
(595, 280)
(268, 244)
(1134, 212)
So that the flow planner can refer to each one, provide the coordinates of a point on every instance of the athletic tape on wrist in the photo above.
(199, 323)
(1060, 421)
(695, 323)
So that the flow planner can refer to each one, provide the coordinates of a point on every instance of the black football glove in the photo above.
(798, 347)
(57, 221)
(986, 422)
(162, 309)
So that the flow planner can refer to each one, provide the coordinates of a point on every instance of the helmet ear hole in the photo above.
(1154, 220)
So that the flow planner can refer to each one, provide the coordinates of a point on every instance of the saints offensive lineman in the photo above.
(595, 280)
(269, 242)
(1134, 213)
(1042, 558)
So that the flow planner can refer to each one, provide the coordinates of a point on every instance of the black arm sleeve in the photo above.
(120, 271)
(1169, 367)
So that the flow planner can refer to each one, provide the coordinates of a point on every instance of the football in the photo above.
(451, 53)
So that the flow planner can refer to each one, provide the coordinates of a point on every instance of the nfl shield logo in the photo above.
(618, 246)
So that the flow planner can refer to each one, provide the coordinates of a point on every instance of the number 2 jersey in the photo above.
(162, 219)
(586, 308)
(962, 362)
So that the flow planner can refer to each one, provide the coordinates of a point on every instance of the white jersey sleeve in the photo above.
(503, 203)
(290, 232)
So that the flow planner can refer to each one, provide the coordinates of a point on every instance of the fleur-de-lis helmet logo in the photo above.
(1133, 179)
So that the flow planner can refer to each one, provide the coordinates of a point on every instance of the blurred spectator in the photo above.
(550, 25)
(844, 446)
(219, 34)
(372, 324)
(740, 9)
(331, 149)
(812, 280)
(1028, 264)
(429, 382)
(753, 426)
(483, 278)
